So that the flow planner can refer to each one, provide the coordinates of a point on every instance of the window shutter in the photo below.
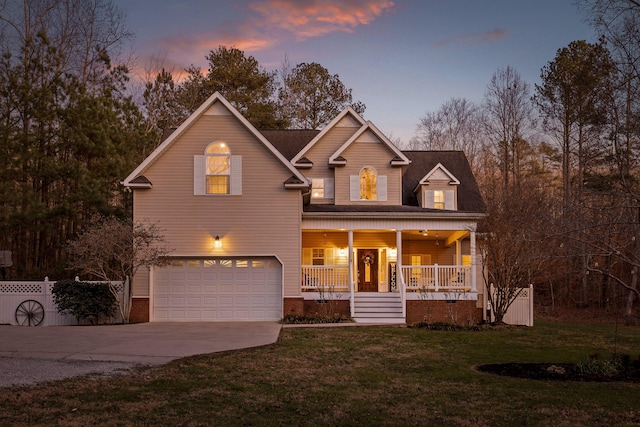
(449, 202)
(328, 256)
(235, 181)
(354, 187)
(428, 199)
(306, 256)
(328, 188)
(382, 188)
(199, 176)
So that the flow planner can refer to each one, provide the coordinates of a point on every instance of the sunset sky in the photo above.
(402, 58)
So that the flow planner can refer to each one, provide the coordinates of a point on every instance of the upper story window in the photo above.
(438, 199)
(368, 184)
(217, 172)
(218, 162)
(322, 188)
(317, 188)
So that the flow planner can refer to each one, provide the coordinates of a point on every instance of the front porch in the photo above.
(376, 272)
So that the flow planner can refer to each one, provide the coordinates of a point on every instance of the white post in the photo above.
(437, 276)
(151, 292)
(352, 306)
(473, 262)
(399, 276)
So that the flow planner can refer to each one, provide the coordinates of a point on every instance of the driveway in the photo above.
(32, 355)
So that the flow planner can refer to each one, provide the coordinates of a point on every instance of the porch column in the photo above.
(473, 262)
(399, 276)
(351, 283)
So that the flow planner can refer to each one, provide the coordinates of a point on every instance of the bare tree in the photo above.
(512, 245)
(509, 121)
(457, 125)
(110, 249)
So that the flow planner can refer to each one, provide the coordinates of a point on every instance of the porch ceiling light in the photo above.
(217, 243)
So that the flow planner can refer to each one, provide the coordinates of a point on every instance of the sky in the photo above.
(401, 58)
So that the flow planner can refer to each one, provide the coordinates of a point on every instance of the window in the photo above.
(218, 162)
(438, 199)
(317, 188)
(368, 184)
(317, 257)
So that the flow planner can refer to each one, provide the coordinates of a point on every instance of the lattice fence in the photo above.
(13, 293)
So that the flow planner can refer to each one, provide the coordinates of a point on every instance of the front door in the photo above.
(367, 270)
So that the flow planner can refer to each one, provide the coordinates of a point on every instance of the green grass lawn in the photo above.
(353, 376)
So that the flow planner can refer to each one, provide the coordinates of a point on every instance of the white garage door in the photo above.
(218, 290)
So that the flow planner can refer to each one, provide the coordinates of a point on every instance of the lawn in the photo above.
(360, 376)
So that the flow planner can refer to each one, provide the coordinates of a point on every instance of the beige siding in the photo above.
(439, 253)
(373, 154)
(264, 220)
(319, 154)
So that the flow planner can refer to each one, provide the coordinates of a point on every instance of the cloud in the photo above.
(314, 18)
(474, 38)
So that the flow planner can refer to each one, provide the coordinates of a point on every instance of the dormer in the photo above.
(438, 189)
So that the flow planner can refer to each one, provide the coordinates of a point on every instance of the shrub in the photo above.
(85, 301)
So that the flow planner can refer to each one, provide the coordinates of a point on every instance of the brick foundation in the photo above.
(139, 310)
(293, 306)
(458, 312)
(330, 308)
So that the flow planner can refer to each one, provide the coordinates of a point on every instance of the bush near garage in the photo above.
(89, 303)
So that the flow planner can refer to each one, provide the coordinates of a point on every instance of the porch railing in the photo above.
(325, 278)
(437, 278)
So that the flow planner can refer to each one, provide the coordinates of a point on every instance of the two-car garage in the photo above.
(221, 289)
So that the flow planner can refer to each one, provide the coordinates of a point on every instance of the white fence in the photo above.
(520, 311)
(14, 293)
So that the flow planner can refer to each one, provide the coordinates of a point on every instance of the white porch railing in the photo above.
(325, 277)
(437, 278)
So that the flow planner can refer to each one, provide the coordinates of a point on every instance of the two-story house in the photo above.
(265, 223)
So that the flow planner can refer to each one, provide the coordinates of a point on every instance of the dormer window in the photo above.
(438, 199)
(218, 161)
(368, 184)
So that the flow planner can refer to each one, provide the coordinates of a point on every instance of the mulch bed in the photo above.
(560, 372)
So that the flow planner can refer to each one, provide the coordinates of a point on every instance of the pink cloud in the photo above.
(475, 38)
(314, 18)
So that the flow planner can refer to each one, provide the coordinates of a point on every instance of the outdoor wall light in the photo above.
(217, 243)
(393, 252)
(342, 251)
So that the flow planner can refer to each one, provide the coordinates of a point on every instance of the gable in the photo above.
(368, 133)
(215, 106)
(345, 123)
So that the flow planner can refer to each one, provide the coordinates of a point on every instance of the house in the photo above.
(266, 223)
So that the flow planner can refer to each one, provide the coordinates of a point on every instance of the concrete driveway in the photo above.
(31, 355)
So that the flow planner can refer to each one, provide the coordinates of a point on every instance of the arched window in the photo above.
(218, 168)
(368, 184)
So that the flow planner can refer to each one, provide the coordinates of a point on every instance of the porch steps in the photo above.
(378, 307)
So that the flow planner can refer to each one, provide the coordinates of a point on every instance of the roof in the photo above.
(289, 141)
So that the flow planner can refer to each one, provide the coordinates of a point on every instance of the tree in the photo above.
(111, 249)
(512, 242)
(509, 119)
(313, 97)
(457, 125)
(572, 98)
(240, 79)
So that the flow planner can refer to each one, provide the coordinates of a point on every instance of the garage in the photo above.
(221, 289)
